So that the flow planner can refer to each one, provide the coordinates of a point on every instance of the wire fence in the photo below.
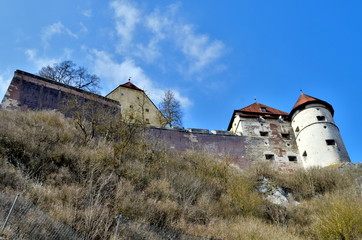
(21, 219)
(129, 229)
(26, 221)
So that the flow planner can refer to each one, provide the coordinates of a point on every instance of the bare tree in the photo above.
(69, 73)
(170, 107)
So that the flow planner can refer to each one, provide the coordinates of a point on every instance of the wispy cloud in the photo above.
(198, 50)
(87, 13)
(4, 84)
(119, 73)
(53, 29)
(39, 62)
(127, 17)
(198, 47)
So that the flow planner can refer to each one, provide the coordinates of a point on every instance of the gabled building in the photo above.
(136, 106)
(308, 134)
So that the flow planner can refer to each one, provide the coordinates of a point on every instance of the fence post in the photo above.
(118, 225)
(10, 211)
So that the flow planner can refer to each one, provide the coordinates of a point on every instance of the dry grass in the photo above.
(87, 183)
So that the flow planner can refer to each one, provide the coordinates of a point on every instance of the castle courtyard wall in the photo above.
(240, 150)
(30, 92)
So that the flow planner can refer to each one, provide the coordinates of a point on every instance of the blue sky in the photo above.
(215, 57)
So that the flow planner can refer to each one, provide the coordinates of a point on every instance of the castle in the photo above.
(305, 137)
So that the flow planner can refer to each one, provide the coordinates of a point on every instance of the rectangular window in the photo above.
(263, 109)
(321, 118)
(264, 134)
(130, 106)
(147, 110)
(269, 156)
(292, 158)
(286, 135)
(147, 120)
(330, 142)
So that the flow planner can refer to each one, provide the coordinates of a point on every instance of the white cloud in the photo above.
(119, 73)
(55, 28)
(197, 47)
(127, 17)
(87, 13)
(39, 62)
(4, 84)
(198, 50)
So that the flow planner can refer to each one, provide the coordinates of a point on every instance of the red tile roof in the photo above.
(305, 99)
(131, 85)
(255, 109)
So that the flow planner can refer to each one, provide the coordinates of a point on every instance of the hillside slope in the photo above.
(84, 174)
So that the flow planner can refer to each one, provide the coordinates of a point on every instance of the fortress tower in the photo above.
(317, 136)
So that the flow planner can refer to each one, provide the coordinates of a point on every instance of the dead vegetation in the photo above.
(85, 184)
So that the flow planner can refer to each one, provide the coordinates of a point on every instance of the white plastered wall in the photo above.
(311, 135)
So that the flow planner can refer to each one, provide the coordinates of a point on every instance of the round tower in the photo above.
(317, 136)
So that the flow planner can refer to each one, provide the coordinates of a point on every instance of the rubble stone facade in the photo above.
(305, 137)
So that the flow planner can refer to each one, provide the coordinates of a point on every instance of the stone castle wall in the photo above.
(241, 150)
(28, 91)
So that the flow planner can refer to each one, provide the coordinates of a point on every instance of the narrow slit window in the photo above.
(269, 156)
(286, 135)
(321, 118)
(264, 134)
(330, 142)
(292, 158)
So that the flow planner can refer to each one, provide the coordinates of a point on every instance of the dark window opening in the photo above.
(147, 120)
(263, 109)
(305, 154)
(325, 126)
(321, 118)
(330, 142)
(292, 158)
(147, 110)
(297, 129)
(264, 134)
(269, 156)
(286, 135)
(130, 106)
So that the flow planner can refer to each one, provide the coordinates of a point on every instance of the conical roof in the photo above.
(305, 99)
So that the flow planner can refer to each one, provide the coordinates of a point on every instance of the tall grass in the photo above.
(121, 171)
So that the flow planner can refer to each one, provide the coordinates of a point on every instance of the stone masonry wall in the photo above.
(28, 91)
(241, 150)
